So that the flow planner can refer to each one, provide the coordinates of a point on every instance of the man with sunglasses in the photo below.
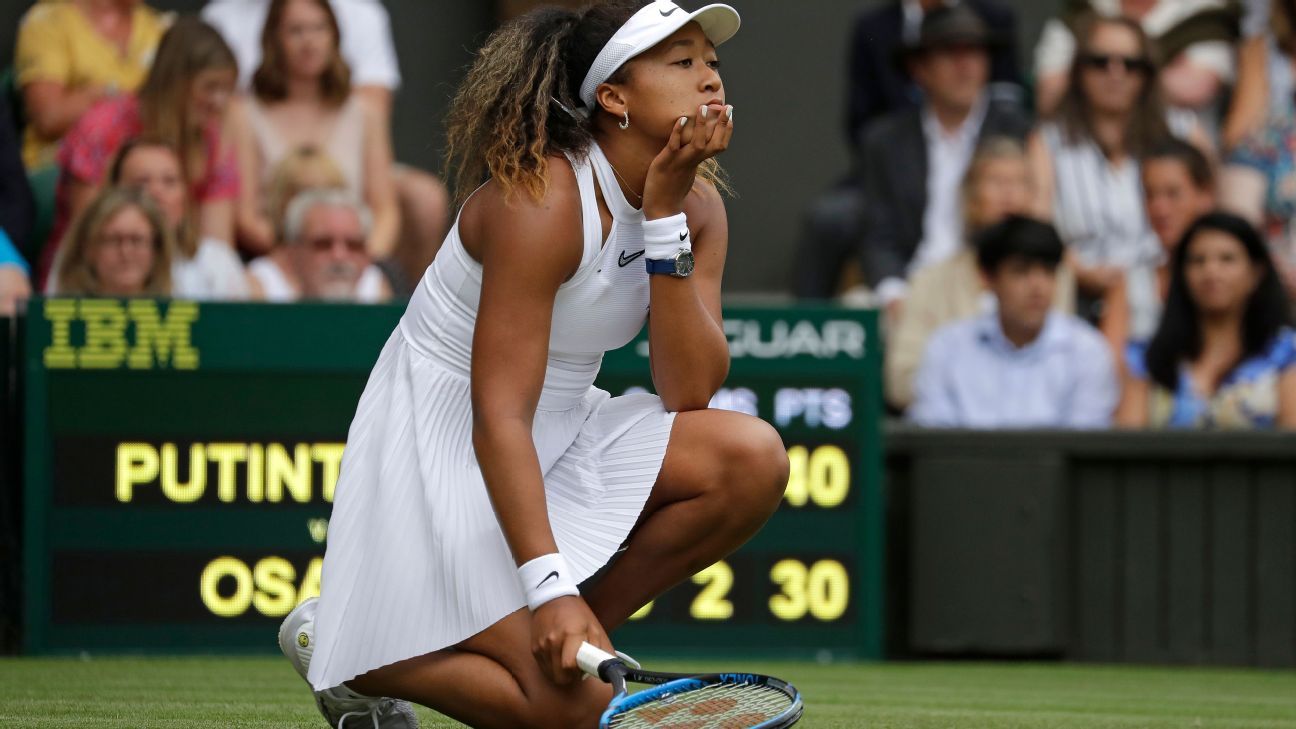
(323, 256)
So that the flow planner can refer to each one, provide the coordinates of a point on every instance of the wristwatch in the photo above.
(680, 265)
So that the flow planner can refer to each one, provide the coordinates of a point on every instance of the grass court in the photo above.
(230, 693)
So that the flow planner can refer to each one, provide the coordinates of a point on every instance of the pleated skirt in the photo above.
(416, 560)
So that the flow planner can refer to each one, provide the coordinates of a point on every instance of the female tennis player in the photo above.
(485, 477)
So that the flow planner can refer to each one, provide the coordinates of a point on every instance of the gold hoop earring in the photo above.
(625, 124)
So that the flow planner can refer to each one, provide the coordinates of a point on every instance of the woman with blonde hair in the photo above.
(119, 246)
(304, 168)
(997, 184)
(302, 96)
(182, 103)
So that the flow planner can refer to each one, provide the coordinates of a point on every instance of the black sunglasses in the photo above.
(1102, 61)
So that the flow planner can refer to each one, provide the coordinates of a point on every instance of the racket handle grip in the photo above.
(589, 658)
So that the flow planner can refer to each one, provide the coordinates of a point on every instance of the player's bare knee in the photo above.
(757, 468)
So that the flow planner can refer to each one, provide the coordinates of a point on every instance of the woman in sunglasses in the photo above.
(1086, 158)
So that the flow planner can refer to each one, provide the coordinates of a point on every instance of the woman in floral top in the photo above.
(1223, 355)
(182, 102)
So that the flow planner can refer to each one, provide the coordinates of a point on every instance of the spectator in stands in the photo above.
(119, 246)
(1223, 355)
(1085, 162)
(73, 54)
(1022, 365)
(1194, 40)
(915, 160)
(182, 102)
(1258, 181)
(14, 284)
(1266, 81)
(1178, 188)
(305, 168)
(302, 96)
(879, 86)
(370, 54)
(324, 256)
(201, 268)
(16, 204)
(997, 185)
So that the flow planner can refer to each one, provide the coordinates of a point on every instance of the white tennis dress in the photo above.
(416, 560)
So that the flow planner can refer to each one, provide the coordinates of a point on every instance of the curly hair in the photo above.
(514, 107)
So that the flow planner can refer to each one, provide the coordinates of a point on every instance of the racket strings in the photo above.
(716, 706)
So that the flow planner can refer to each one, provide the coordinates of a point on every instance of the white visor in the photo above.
(648, 27)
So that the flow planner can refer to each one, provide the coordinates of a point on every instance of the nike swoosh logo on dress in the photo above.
(625, 260)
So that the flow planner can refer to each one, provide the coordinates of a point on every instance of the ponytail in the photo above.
(505, 119)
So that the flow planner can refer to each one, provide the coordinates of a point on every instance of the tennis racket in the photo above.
(683, 701)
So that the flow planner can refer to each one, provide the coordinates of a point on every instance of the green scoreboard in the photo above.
(180, 461)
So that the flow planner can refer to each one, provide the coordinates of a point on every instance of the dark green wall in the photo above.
(1109, 547)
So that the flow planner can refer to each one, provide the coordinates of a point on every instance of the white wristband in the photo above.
(664, 237)
(546, 578)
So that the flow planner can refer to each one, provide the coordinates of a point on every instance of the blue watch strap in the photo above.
(660, 265)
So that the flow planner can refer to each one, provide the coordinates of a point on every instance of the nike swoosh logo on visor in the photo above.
(667, 13)
(625, 260)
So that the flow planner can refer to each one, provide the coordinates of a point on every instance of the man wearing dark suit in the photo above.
(914, 160)
(878, 85)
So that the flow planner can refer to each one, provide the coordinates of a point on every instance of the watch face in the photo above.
(684, 263)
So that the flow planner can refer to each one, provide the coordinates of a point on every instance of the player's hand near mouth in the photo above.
(693, 140)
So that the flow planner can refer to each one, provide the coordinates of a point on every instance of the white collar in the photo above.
(969, 130)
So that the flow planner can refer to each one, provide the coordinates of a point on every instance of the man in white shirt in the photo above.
(1023, 365)
(323, 256)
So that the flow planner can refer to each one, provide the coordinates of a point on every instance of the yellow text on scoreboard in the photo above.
(257, 472)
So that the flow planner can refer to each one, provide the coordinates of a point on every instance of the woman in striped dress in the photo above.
(1086, 159)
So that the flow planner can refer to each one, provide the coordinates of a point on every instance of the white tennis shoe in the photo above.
(338, 704)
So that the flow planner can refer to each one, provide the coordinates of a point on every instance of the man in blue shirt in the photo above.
(1021, 365)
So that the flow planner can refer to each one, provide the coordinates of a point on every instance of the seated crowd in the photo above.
(1116, 251)
(175, 150)
(1110, 246)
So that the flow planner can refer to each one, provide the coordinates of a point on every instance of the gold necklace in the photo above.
(623, 182)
